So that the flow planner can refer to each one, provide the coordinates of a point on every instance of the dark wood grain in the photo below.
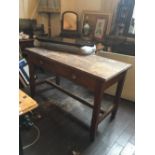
(24, 43)
(57, 80)
(89, 104)
(96, 110)
(64, 134)
(118, 95)
(93, 72)
(64, 71)
(96, 66)
(32, 77)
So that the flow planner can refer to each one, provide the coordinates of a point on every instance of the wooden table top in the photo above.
(101, 67)
(26, 103)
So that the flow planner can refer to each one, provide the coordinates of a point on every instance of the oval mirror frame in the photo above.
(69, 24)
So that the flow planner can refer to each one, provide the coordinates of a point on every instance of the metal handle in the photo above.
(41, 62)
(73, 76)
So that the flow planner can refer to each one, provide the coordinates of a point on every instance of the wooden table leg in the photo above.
(96, 110)
(32, 79)
(57, 80)
(118, 95)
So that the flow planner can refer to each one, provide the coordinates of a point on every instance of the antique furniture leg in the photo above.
(118, 95)
(57, 80)
(95, 79)
(32, 79)
(96, 110)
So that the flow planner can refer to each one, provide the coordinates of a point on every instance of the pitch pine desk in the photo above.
(93, 72)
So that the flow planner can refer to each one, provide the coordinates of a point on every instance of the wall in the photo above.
(129, 85)
(87, 5)
(110, 7)
(68, 5)
(105, 6)
(56, 19)
(27, 9)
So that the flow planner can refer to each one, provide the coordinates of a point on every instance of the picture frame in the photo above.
(24, 70)
(93, 18)
(100, 28)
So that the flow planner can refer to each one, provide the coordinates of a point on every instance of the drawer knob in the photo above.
(73, 76)
(41, 62)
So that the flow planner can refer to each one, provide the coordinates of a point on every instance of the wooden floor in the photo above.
(61, 130)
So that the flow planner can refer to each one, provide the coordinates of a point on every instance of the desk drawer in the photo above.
(41, 62)
(65, 71)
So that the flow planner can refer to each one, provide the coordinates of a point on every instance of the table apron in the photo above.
(65, 71)
(114, 80)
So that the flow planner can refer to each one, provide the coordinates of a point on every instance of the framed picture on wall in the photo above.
(97, 22)
(100, 28)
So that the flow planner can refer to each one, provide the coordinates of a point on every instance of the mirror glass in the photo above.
(70, 21)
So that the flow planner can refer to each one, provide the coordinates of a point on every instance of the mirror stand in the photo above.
(69, 24)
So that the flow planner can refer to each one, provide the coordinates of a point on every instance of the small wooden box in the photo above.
(26, 103)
